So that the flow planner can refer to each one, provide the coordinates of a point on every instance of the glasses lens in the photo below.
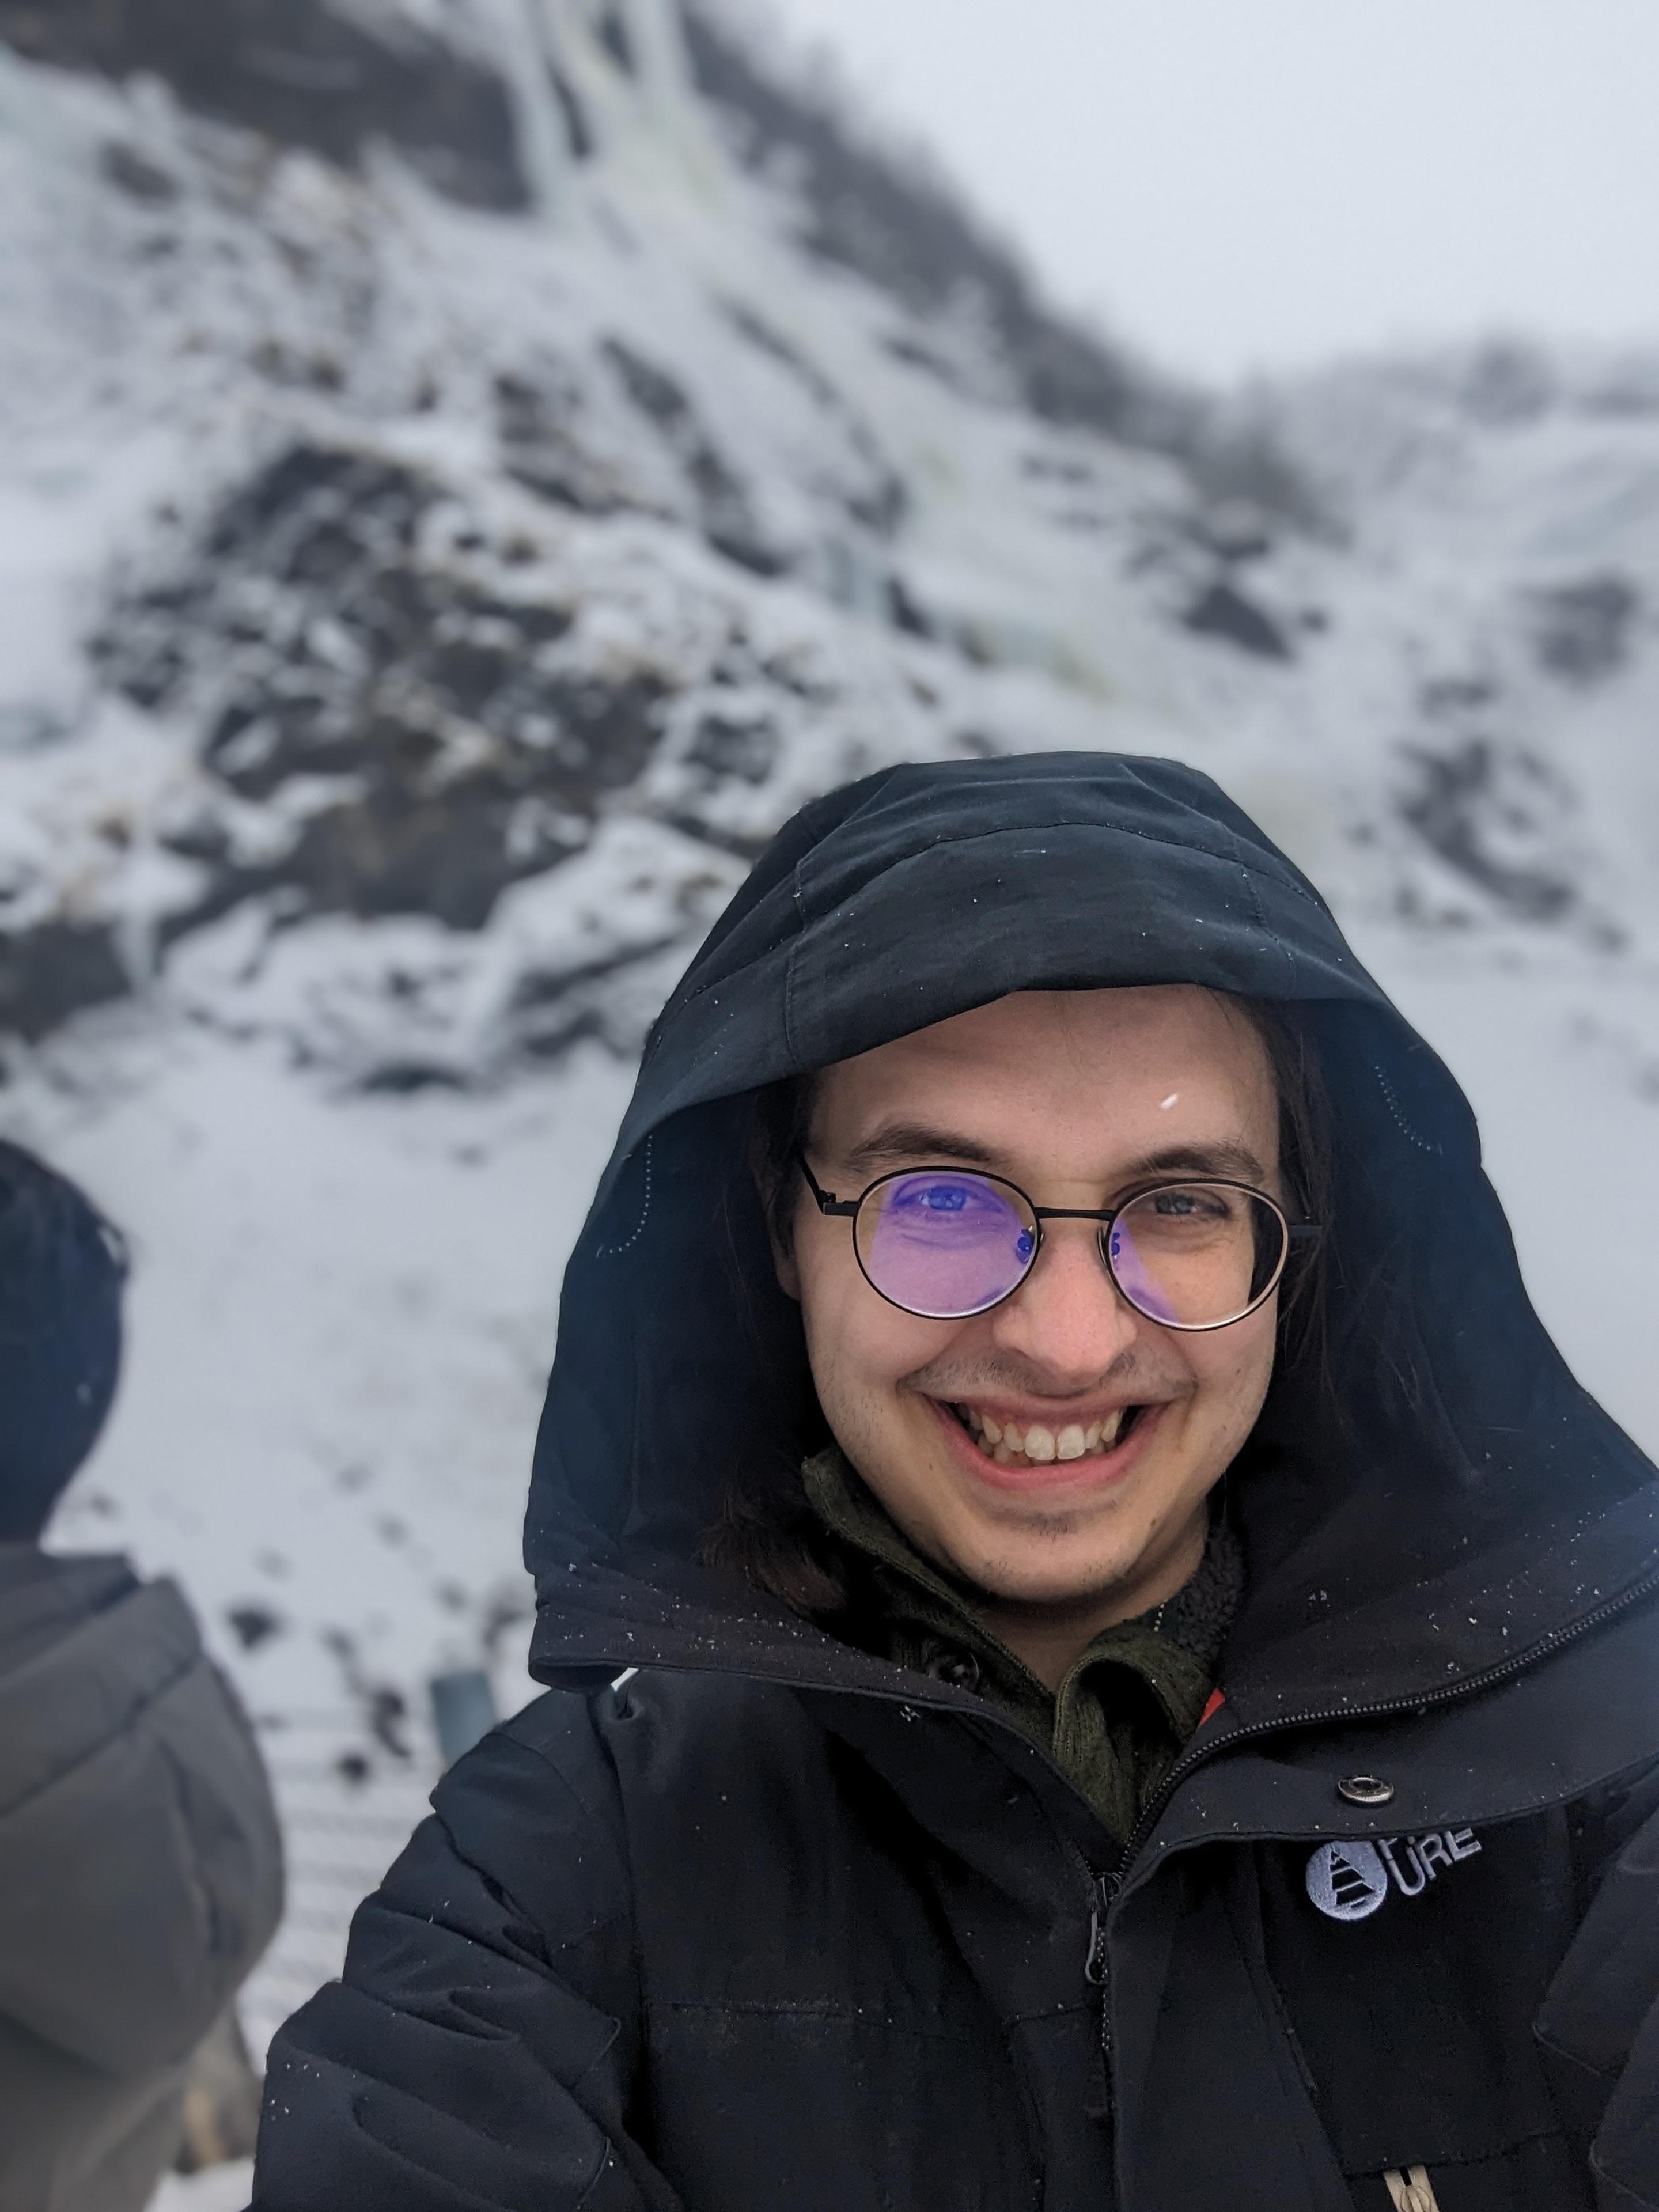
(1196, 1254)
(945, 1245)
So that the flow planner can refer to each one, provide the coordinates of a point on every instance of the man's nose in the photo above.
(1068, 1317)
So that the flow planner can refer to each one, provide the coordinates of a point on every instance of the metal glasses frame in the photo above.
(1297, 1233)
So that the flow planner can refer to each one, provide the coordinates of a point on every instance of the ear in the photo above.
(783, 1262)
(764, 1177)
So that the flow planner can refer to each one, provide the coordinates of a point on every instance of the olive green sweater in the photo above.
(1120, 1719)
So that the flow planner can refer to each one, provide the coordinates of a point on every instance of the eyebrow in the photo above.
(897, 1143)
(908, 1144)
(1226, 1158)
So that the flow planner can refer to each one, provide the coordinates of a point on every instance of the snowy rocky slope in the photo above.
(468, 469)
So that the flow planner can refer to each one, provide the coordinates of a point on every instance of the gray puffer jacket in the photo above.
(140, 1874)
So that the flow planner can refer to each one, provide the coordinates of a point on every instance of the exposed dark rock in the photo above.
(301, 74)
(421, 843)
(747, 749)
(652, 390)
(1242, 472)
(381, 1705)
(883, 505)
(904, 611)
(551, 1010)
(1452, 698)
(614, 38)
(728, 520)
(1493, 812)
(578, 132)
(317, 639)
(740, 845)
(1234, 535)
(748, 550)
(1506, 385)
(1583, 629)
(254, 1623)
(55, 970)
(536, 409)
(402, 1079)
(300, 369)
(932, 362)
(136, 175)
(1222, 610)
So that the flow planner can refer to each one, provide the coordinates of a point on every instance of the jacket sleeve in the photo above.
(1598, 2032)
(481, 2045)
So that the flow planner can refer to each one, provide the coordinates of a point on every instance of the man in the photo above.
(1134, 1660)
(140, 1867)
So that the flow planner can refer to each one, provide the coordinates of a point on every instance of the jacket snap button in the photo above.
(959, 1669)
(1364, 1789)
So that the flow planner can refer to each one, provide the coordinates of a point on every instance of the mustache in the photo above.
(950, 1378)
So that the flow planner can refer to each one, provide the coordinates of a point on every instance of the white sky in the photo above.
(1243, 183)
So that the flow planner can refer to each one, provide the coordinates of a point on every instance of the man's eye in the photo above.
(954, 1199)
(1191, 1204)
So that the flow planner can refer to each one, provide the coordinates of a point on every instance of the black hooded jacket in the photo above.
(776, 1923)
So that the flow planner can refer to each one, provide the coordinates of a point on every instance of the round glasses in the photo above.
(945, 1243)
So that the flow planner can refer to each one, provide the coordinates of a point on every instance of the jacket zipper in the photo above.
(1100, 1889)
(1556, 1641)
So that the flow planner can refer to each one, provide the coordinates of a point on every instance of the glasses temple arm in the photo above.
(827, 1200)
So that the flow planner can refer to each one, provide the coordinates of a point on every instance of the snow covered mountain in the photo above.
(468, 469)
(461, 460)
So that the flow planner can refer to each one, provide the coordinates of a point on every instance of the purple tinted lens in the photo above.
(1135, 1278)
(945, 1245)
(1197, 1255)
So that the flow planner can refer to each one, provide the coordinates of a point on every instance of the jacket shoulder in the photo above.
(551, 1805)
(594, 1743)
(121, 1726)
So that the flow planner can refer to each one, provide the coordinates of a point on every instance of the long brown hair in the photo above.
(765, 1531)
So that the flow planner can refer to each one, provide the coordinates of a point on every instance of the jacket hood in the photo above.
(1475, 1505)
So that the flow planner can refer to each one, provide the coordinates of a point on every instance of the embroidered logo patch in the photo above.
(1352, 1881)
(1347, 1881)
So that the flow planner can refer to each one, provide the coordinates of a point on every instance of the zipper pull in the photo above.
(1094, 1967)
(1096, 1972)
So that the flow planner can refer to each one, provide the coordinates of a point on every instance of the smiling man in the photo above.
(1102, 1658)
(1052, 1441)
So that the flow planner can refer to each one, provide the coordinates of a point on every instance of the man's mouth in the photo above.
(1017, 1443)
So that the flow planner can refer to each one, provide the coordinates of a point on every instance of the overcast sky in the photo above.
(1244, 183)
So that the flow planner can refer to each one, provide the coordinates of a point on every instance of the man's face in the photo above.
(1079, 1098)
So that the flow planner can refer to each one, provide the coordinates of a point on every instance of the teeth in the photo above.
(1004, 1442)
